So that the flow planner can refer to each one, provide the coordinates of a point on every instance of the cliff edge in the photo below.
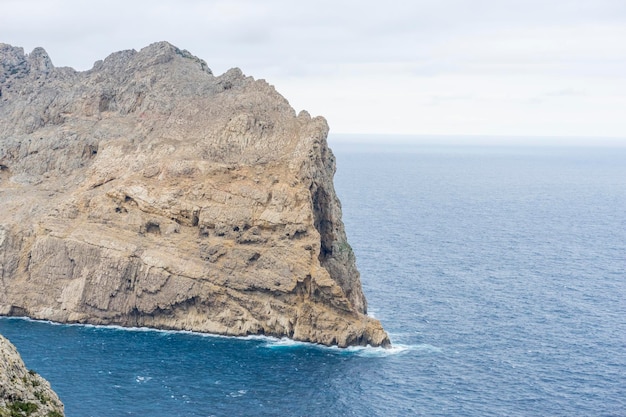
(24, 392)
(149, 192)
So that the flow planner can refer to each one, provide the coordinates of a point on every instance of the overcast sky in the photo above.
(442, 67)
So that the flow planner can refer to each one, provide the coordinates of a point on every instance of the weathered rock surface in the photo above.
(24, 392)
(149, 192)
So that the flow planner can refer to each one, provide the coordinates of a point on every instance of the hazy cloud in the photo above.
(370, 65)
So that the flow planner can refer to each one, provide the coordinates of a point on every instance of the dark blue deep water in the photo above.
(499, 272)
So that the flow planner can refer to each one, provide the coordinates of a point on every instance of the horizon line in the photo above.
(399, 140)
(476, 135)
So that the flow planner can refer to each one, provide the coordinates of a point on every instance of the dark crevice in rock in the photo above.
(90, 151)
(335, 253)
(106, 103)
(128, 199)
(153, 227)
(303, 288)
(323, 223)
(16, 311)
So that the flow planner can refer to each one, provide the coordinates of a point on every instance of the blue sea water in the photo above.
(499, 272)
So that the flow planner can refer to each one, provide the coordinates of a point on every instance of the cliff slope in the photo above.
(149, 192)
(24, 392)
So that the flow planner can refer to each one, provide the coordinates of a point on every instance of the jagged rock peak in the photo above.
(13, 61)
(40, 61)
(153, 54)
(148, 192)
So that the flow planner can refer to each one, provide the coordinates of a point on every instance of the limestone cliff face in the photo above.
(24, 392)
(149, 192)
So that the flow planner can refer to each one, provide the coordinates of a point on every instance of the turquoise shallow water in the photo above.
(500, 274)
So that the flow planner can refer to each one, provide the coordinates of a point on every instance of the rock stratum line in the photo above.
(149, 192)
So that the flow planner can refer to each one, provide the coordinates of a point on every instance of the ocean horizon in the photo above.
(368, 142)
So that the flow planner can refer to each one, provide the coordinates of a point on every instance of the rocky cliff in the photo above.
(149, 192)
(24, 392)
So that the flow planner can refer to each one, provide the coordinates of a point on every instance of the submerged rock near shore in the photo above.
(149, 192)
(24, 392)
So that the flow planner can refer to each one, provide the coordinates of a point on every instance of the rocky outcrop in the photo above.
(149, 192)
(24, 392)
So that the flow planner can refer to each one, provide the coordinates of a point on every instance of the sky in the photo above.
(496, 68)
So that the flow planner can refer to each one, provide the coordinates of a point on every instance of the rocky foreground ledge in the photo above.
(24, 392)
(149, 192)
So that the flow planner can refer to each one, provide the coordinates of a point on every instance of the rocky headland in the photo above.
(24, 392)
(149, 192)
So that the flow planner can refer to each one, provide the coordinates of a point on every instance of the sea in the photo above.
(499, 272)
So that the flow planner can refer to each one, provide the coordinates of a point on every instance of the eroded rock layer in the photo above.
(149, 192)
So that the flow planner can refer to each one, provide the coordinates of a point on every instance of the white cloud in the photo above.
(449, 66)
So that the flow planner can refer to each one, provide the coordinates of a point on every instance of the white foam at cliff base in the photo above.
(363, 351)
(270, 341)
(139, 329)
(378, 352)
(395, 349)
